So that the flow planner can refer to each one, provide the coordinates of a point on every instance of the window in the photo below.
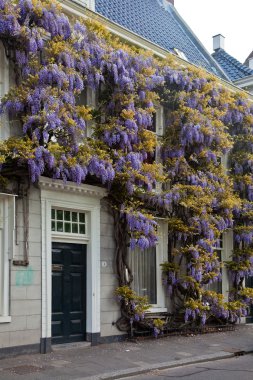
(4, 87)
(146, 270)
(158, 129)
(81, 99)
(158, 121)
(218, 249)
(180, 54)
(143, 264)
(87, 98)
(68, 222)
(7, 212)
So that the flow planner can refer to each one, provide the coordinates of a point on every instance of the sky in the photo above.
(231, 18)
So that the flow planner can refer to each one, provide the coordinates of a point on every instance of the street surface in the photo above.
(238, 368)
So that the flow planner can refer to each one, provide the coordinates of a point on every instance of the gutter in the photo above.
(246, 81)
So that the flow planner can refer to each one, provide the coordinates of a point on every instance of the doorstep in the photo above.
(70, 346)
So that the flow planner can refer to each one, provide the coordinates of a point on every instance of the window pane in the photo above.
(67, 227)
(74, 217)
(216, 286)
(59, 215)
(53, 226)
(82, 218)
(81, 99)
(59, 226)
(67, 215)
(143, 265)
(53, 213)
(75, 228)
(82, 229)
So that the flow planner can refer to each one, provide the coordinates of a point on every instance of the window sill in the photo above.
(6, 319)
(157, 310)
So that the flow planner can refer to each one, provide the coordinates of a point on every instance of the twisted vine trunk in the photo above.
(124, 272)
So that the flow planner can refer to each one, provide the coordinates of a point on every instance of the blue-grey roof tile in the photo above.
(160, 25)
(233, 68)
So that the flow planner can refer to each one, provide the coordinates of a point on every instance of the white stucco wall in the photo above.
(110, 311)
(25, 282)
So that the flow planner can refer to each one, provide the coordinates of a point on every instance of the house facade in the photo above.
(57, 244)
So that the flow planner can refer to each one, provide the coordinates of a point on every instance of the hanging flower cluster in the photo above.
(134, 306)
(113, 143)
(141, 228)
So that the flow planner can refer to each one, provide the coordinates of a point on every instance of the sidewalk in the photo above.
(117, 360)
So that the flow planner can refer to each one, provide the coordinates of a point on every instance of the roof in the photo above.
(161, 25)
(248, 58)
(234, 69)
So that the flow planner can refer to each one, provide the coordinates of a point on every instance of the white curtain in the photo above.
(143, 266)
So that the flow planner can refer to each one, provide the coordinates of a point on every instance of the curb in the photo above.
(165, 365)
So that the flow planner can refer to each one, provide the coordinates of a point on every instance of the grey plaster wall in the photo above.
(109, 307)
(25, 282)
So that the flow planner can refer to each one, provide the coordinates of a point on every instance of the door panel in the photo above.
(68, 292)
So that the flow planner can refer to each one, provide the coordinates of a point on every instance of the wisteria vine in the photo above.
(56, 63)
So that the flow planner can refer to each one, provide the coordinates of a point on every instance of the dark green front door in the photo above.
(249, 284)
(68, 292)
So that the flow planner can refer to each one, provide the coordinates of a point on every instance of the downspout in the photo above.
(24, 196)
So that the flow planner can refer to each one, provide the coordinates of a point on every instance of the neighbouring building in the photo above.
(241, 74)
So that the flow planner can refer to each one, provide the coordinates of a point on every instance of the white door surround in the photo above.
(83, 198)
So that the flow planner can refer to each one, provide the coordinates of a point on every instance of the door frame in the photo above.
(84, 198)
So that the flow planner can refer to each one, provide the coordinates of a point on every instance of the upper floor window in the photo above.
(158, 121)
(87, 98)
(4, 87)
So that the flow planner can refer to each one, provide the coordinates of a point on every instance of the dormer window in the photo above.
(180, 54)
(87, 3)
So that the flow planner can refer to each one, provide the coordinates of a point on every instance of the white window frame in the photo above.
(161, 256)
(228, 246)
(71, 235)
(82, 198)
(180, 54)
(160, 122)
(225, 253)
(4, 88)
(89, 101)
(7, 225)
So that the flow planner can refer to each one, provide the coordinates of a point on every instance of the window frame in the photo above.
(71, 235)
(4, 88)
(7, 226)
(87, 98)
(161, 256)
